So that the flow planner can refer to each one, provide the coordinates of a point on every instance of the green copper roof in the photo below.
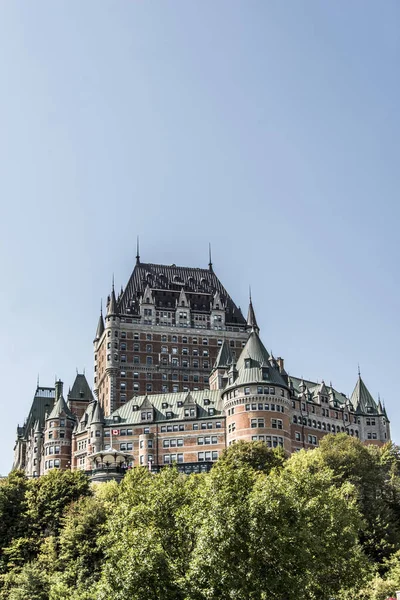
(255, 350)
(60, 407)
(224, 358)
(203, 399)
(251, 318)
(254, 365)
(362, 400)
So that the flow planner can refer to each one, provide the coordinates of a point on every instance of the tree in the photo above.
(47, 498)
(148, 537)
(374, 472)
(253, 454)
(12, 511)
(219, 562)
(304, 533)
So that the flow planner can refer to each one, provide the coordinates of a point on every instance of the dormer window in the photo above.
(265, 374)
(247, 363)
(190, 412)
(165, 404)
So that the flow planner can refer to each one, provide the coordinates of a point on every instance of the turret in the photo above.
(251, 318)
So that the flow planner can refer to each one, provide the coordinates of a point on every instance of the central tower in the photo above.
(163, 332)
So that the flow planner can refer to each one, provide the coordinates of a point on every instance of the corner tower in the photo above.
(257, 398)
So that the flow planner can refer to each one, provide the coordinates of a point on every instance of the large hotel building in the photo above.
(179, 374)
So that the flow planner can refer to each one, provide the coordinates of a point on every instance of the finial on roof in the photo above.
(251, 317)
(210, 265)
(113, 282)
(359, 372)
(137, 251)
(38, 380)
(101, 306)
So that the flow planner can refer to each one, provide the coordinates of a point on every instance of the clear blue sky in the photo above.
(270, 129)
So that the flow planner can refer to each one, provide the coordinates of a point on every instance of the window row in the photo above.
(55, 435)
(165, 428)
(50, 464)
(52, 450)
(126, 446)
(209, 455)
(173, 443)
(272, 441)
(261, 406)
(169, 459)
(207, 440)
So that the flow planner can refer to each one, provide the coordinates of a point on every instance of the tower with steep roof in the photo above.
(257, 398)
(58, 433)
(163, 333)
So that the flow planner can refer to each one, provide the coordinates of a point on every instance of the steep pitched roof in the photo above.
(42, 403)
(80, 389)
(224, 357)
(255, 350)
(112, 308)
(60, 407)
(362, 400)
(97, 414)
(100, 327)
(258, 357)
(200, 286)
(251, 318)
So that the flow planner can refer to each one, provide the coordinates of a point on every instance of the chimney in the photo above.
(59, 389)
(281, 364)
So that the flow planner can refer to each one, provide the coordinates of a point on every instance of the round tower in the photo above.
(257, 398)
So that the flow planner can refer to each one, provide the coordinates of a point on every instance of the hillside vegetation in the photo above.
(321, 524)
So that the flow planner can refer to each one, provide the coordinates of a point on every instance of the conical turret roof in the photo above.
(97, 414)
(251, 318)
(362, 400)
(60, 407)
(112, 308)
(253, 364)
(224, 357)
(100, 327)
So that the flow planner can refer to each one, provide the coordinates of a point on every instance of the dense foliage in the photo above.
(260, 526)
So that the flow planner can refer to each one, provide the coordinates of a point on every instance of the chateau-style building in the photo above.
(179, 375)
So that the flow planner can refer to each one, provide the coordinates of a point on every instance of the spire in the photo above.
(137, 251)
(112, 308)
(251, 316)
(100, 324)
(210, 265)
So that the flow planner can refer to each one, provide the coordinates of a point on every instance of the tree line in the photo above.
(323, 524)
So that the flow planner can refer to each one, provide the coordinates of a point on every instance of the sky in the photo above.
(269, 129)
